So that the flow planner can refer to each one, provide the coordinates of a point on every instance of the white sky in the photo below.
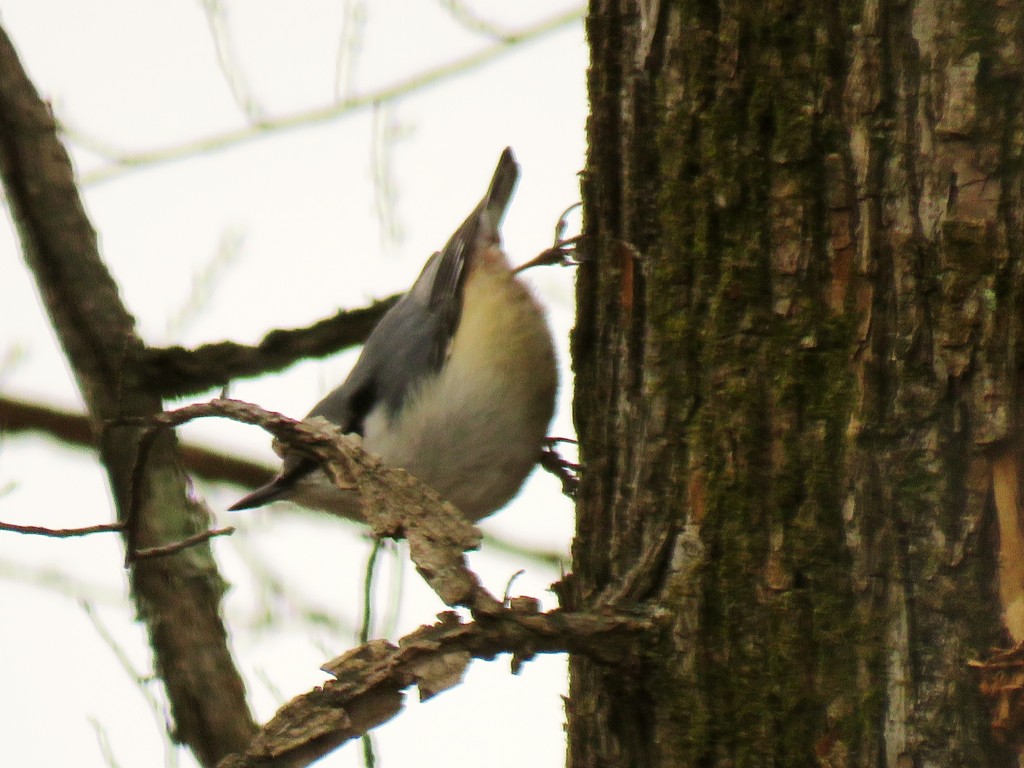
(139, 75)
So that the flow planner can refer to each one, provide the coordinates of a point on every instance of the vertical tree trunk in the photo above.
(798, 359)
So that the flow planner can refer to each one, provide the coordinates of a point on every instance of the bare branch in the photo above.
(103, 741)
(216, 21)
(141, 680)
(472, 21)
(350, 43)
(369, 680)
(176, 546)
(561, 254)
(176, 371)
(76, 429)
(563, 251)
(62, 533)
(99, 339)
(385, 132)
(133, 555)
(395, 504)
(264, 128)
(366, 628)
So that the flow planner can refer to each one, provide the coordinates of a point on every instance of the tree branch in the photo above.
(214, 466)
(176, 371)
(177, 597)
(62, 533)
(77, 429)
(127, 162)
(134, 555)
(395, 504)
(369, 680)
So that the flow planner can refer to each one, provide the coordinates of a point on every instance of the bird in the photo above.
(456, 384)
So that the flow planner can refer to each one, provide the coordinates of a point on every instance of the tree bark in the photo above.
(798, 356)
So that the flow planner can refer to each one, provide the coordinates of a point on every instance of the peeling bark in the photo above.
(799, 350)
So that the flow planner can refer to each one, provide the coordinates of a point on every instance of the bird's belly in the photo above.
(475, 432)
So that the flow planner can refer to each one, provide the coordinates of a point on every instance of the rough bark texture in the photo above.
(799, 353)
(177, 597)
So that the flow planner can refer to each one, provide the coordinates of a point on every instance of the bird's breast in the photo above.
(474, 431)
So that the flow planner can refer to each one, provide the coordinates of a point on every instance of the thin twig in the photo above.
(234, 76)
(62, 533)
(369, 751)
(563, 223)
(561, 251)
(141, 680)
(371, 572)
(76, 429)
(146, 553)
(350, 44)
(104, 743)
(508, 585)
(133, 554)
(127, 162)
(473, 22)
(397, 582)
(558, 254)
(384, 134)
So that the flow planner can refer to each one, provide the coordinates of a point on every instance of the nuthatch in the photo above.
(456, 384)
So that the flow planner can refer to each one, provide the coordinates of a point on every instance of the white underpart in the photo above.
(474, 432)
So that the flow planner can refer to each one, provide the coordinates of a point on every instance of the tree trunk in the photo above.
(798, 361)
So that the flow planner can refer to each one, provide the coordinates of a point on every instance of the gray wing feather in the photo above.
(411, 340)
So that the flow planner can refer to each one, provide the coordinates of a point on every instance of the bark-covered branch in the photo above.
(369, 680)
(215, 466)
(176, 371)
(394, 503)
(177, 597)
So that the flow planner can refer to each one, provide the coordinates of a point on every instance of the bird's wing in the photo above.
(412, 339)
